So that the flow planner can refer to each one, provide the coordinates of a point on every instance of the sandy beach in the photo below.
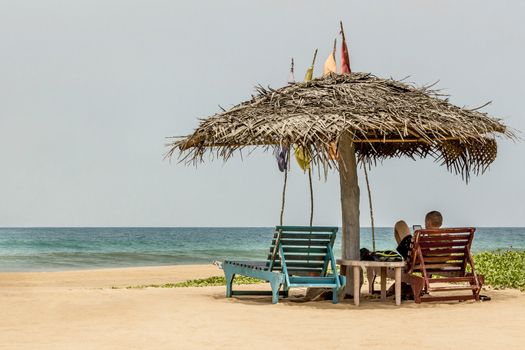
(84, 310)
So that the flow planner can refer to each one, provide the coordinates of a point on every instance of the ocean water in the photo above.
(52, 249)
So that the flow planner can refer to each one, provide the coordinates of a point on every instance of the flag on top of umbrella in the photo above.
(330, 65)
(345, 59)
(310, 71)
(291, 76)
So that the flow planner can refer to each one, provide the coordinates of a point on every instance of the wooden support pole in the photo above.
(349, 205)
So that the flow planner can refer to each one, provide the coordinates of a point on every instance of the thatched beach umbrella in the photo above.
(368, 118)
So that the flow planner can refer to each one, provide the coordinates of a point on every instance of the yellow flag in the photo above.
(302, 157)
(309, 73)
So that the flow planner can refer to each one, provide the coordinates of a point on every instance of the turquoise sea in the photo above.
(51, 249)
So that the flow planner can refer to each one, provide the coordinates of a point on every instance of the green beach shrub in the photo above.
(201, 282)
(502, 269)
(217, 281)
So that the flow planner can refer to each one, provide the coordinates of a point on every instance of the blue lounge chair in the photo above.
(298, 257)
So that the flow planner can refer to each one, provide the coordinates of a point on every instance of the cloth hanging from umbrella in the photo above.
(302, 157)
(281, 154)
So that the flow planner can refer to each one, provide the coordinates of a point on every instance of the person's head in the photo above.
(433, 219)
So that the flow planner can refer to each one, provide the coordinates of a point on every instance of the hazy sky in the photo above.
(90, 89)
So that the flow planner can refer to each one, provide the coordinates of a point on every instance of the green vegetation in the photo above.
(502, 269)
(203, 282)
(217, 281)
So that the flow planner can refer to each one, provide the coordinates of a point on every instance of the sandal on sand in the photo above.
(484, 298)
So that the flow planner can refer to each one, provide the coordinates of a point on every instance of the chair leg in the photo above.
(417, 287)
(481, 280)
(341, 292)
(275, 284)
(229, 283)
(342, 280)
(335, 295)
(475, 292)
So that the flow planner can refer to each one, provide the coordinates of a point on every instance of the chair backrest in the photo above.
(306, 249)
(443, 252)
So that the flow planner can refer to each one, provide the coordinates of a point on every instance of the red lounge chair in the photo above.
(441, 256)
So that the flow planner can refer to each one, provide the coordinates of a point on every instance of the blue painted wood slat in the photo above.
(284, 270)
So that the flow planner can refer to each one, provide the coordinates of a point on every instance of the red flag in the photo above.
(345, 59)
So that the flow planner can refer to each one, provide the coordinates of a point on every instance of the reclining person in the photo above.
(433, 220)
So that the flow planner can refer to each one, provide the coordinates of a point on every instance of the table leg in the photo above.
(383, 283)
(398, 286)
(370, 278)
(357, 291)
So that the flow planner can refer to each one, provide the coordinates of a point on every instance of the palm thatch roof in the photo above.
(386, 118)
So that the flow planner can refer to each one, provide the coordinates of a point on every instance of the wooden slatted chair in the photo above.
(298, 257)
(442, 256)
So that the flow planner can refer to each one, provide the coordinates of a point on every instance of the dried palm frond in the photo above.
(385, 117)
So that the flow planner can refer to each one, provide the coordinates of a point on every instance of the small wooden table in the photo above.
(383, 265)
